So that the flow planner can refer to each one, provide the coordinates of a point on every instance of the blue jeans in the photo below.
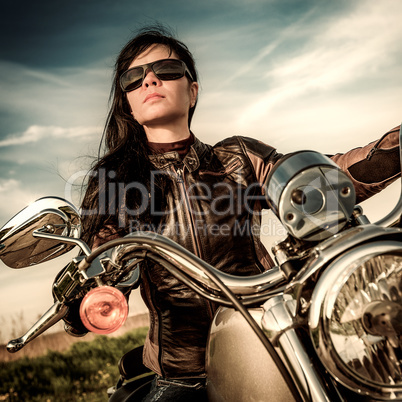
(184, 390)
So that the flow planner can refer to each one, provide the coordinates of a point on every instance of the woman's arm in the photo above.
(374, 166)
(371, 168)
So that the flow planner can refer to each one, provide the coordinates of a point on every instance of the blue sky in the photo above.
(322, 75)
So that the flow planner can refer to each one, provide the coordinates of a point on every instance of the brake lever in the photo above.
(53, 315)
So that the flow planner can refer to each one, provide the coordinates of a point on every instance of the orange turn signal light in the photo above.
(103, 310)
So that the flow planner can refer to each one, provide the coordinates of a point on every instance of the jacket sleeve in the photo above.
(262, 157)
(371, 168)
(374, 166)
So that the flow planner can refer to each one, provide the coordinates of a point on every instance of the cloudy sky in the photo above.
(322, 75)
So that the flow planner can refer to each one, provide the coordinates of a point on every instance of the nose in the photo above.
(150, 79)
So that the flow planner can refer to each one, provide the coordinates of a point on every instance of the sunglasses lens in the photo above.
(165, 70)
(169, 69)
(131, 79)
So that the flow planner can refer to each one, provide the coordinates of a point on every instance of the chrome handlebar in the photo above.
(186, 262)
(179, 261)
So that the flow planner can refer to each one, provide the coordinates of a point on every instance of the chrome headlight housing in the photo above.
(311, 195)
(355, 319)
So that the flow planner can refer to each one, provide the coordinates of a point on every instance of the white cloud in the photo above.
(288, 33)
(13, 198)
(37, 133)
(14, 74)
(331, 78)
(34, 96)
(358, 47)
(7, 185)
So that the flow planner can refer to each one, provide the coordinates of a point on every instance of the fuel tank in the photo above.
(239, 368)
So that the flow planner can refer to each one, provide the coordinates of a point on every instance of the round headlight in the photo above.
(356, 319)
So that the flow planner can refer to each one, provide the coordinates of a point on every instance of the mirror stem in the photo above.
(83, 246)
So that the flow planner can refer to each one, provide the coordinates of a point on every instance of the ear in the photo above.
(193, 93)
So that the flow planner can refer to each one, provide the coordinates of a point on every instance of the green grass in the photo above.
(82, 373)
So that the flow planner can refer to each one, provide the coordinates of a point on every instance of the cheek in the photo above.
(132, 101)
(185, 97)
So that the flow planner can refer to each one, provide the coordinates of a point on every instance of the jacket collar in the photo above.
(191, 160)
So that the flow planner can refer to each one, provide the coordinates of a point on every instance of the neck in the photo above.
(166, 134)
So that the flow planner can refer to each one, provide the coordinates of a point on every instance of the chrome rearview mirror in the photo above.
(19, 245)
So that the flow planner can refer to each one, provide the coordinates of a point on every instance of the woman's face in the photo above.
(157, 103)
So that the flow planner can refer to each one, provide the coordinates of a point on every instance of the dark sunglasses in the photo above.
(165, 70)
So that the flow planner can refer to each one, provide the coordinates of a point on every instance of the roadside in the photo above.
(61, 341)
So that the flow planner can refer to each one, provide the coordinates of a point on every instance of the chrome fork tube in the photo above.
(278, 323)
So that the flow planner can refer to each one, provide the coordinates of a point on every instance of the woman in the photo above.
(157, 175)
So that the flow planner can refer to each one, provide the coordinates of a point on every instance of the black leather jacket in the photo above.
(214, 210)
(213, 207)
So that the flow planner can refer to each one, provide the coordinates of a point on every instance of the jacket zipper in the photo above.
(182, 185)
(197, 249)
(375, 147)
(150, 293)
(178, 173)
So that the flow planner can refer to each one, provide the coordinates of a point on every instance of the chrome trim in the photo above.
(191, 265)
(41, 233)
(278, 323)
(240, 285)
(319, 313)
(53, 315)
(329, 209)
(329, 249)
(52, 215)
(291, 165)
(341, 264)
(311, 195)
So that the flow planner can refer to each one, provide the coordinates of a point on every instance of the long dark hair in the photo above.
(125, 160)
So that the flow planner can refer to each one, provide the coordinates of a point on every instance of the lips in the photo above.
(153, 96)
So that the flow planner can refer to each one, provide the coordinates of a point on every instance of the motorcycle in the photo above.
(324, 324)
